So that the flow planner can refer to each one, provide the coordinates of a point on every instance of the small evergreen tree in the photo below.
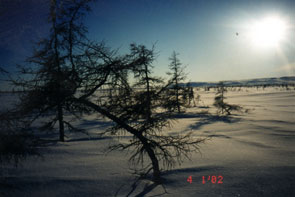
(146, 83)
(188, 95)
(176, 92)
(219, 103)
(219, 98)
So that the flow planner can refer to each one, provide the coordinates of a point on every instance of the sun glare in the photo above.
(268, 32)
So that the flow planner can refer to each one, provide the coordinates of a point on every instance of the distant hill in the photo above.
(249, 82)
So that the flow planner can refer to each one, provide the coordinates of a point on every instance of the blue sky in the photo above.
(202, 32)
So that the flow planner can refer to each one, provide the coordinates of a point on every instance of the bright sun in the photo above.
(268, 32)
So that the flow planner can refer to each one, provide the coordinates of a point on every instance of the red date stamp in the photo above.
(214, 179)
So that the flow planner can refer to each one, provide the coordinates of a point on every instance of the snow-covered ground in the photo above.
(254, 152)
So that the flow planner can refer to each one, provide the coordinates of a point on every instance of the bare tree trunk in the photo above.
(155, 163)
(144, 141)
(61, 123)
(177, 99)
(153, 158)
(57, 62)
(222, 99)
(148, 96)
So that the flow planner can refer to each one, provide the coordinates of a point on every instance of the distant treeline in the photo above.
(263, 82)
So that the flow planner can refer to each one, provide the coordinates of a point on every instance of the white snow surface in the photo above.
(254, 152)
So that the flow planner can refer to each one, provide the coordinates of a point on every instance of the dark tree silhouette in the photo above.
(16, 140)
(125, 108)
(219, 98)
(70, 74)
(189, 95)
(3, 71)
(177, 91)
(148, 84)
(223, 107)
(51, 77)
